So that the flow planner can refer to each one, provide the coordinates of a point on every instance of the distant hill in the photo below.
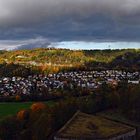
(129, 60)
(51, 59)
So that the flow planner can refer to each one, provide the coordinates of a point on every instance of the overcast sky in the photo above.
(58, 21)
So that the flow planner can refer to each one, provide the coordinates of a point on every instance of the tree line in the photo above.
(55, 60)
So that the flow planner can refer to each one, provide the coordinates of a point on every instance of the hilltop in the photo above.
(54, 60)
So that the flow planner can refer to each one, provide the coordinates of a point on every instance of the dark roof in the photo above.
(87, 126)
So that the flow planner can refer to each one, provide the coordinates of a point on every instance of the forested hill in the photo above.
(52, 59)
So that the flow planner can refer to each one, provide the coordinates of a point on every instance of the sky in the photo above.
(73, 24)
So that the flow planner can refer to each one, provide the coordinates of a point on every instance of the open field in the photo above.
(7, 109)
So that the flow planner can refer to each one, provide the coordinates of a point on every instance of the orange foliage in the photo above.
(18, 98)
(22, 115)
(38, 106)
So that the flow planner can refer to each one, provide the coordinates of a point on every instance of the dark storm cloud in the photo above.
(70, 19)
(25, 44)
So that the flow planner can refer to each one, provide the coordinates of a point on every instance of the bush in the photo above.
(38, 107)
(23, 115)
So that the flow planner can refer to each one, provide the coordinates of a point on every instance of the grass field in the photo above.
(7, 109)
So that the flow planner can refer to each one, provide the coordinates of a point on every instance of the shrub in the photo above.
(17, 98)
(38, 107)
(23, 115)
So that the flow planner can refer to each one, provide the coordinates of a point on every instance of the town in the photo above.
(11, 86)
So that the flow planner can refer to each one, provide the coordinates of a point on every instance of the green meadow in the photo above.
(8, 109)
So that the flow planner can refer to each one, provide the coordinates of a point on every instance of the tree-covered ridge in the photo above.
(54, 60)
(63, 55)
(58, 56)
